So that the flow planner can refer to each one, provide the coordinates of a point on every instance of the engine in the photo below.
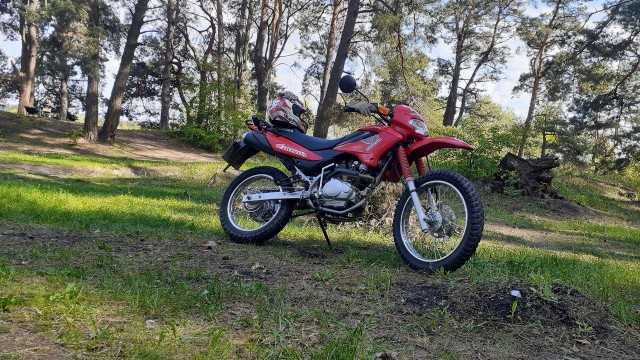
(344, 187)
(337, 193)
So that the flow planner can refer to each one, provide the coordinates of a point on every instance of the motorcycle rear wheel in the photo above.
(254, 223)
(455, 225)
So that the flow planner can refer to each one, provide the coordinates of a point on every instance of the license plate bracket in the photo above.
(237, 153)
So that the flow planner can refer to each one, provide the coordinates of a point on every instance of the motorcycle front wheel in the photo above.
(254, 222)
(454, 213)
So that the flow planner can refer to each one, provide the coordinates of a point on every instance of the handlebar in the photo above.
(349, 109)
(262, 125)
(384, 114)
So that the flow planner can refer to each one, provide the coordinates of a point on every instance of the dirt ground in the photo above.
(481, 322)
(32, 134)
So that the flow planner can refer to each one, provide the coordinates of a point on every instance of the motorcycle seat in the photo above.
(310, 142)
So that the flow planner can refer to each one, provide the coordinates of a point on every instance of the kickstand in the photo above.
(323, 226)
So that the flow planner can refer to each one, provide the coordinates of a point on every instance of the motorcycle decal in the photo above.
(369, 152)
(289, 148)
(372, 141)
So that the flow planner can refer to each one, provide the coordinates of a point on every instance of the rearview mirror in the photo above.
(347, 84)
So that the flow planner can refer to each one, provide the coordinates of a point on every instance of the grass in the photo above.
(112, 266)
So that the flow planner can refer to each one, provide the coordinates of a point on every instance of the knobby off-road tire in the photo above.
(461, 251)
(271, 227)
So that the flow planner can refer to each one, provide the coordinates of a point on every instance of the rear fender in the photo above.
(427, 146)
(240, 151)
(258, 141)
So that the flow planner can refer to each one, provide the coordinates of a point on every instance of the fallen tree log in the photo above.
(534, 176)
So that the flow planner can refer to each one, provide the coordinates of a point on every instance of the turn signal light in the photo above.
(384, 111)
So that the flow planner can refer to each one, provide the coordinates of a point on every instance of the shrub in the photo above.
(200, 138)
(491, 143)
(74, 136)
(150, 125)
(632, 173)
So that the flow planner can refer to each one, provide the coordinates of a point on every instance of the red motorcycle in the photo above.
(439, 218)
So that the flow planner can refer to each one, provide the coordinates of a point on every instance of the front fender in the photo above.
(426, 146)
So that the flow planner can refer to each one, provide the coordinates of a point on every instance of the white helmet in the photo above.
(288, 108)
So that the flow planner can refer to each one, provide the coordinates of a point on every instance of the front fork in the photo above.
(401, 158)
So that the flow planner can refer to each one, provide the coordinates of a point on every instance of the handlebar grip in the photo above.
(349, 109)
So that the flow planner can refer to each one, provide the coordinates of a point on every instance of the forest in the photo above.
(205, 66)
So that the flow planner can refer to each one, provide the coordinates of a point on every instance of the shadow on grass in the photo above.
(572, 243)
(158, 188)
(89, 159)
(592, 192)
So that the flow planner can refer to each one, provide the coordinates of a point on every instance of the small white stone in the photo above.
(516, 293)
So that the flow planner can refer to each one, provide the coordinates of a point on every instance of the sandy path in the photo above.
(31, 134)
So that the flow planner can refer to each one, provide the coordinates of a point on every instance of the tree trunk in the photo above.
(90, 127)
(532, 109)
(323, 119)
(483, 59)
(452, 99)
(112, 118)
(219, 54)
(259, 60)
(274, 38)
(29, 35)
(64, 97)
(534, 175)
(165, 95)
(331, 42)
(537, 73)
(188, 108)
(203, 100)
(241, 52)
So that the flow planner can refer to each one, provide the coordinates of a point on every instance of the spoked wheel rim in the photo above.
(448, 222)
(250, 217)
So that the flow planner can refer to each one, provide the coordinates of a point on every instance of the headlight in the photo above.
(419, 126)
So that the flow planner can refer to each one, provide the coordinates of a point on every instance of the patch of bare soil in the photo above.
(19, 343)
(565, 324)
(32, 134)
(93, 171)
(572, 209)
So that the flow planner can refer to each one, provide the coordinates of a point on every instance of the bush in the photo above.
(491, 143)
(200, 138)
(632, 173)
(150, 125)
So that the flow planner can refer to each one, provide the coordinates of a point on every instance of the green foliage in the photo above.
(632, 173)
(200, 138)
(71, 294)
(544, 287)
(511, 182)
(9, 301)
(74, 136)
(583, 328)
(323, 275)
(490, 143)
(347, 346)
(514, 307)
